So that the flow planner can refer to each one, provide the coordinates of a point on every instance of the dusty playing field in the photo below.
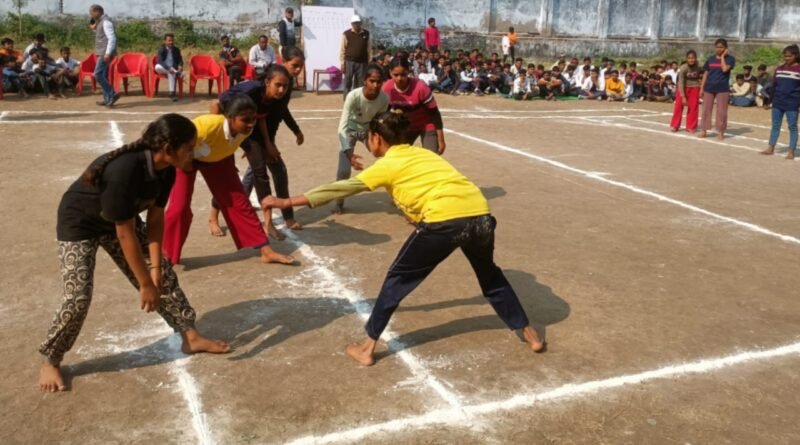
(662, 268)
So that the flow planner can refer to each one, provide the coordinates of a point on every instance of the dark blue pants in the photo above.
(431, 244)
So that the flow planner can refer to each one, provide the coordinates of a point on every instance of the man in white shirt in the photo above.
(69, 69)
(105, 47)
(38, 43)
(429, 78)
(261, 56)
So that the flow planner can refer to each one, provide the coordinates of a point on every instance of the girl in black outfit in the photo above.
(101, 209)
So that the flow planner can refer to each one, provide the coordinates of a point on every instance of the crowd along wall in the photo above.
(628, 27)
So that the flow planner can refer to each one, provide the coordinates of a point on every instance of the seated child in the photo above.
(639, 92)
(69, 69)
(450, 213)
(522, 88)
(615, 89)
(14, 78)
(591, 86)
(655, 89)
(741, 93)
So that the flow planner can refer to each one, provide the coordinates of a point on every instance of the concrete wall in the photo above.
(601, 24)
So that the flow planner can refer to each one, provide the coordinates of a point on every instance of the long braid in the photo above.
(171, 130)
(93, 174)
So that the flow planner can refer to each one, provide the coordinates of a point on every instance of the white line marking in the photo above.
(569, 391)
(743, 224)
(730, 135)
(189, 387)
(746, 124)
(117, 138)
(71, 122)
(191, 394)
(329, 280)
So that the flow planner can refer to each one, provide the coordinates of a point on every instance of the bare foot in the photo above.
(269, 256)
(50, 379)
(194, 343)
(674, 130)
(214, 228)
(721, 137)
(338, 208)
(362, 352)
(52, 97)
(768, 151)
(532, 338)
(292, 224)
(702, 134)
(790, 155)
(273, 231)
(62, 96)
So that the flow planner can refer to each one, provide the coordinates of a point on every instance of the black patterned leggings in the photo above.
(77, 268)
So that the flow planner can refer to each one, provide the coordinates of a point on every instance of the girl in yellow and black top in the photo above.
(450, 212)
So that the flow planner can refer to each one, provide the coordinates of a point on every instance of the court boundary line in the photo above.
(659, 197)
(565, 392)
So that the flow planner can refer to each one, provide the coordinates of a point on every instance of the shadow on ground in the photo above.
(254, 326)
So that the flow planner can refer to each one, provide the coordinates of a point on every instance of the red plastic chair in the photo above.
(205, 68)
(249, 73)
(155, 77)
(87, 70)
(131, 65)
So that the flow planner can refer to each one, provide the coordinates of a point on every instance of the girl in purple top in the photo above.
(786, 100)
(716, 85)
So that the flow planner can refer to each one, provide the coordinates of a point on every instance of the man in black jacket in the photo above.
(170, 63)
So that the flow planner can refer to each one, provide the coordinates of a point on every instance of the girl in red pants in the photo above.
(218, 137)
(689, 77)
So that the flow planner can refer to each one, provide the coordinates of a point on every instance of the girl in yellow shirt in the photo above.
(450, 213)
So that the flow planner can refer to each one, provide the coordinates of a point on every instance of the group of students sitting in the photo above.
(467, 73)
(34, 70)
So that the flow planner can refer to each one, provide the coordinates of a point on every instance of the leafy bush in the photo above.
(68, 31)
(769, 56)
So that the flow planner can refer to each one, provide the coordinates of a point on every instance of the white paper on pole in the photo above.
(322, 37)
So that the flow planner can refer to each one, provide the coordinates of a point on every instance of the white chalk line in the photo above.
(189, 387)
(338, 286)
(728, 136)
(743, 224)
(566, 392)
(747, 124)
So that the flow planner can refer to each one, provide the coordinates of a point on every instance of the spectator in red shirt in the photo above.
(432, 39)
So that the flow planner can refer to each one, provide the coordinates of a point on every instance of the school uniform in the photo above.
(87, 217)
(214, 159)
(449, 212)
(717, 89)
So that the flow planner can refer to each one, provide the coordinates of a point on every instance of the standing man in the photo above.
(105, 46)
(354, 55)
(432, 39)
(287, 31)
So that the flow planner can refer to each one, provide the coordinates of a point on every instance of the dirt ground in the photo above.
(635, 250)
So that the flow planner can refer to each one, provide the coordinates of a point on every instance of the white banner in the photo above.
(322, 37)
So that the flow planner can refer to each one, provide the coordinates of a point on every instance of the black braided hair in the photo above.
(171, 129)
(292, 52)
(392, 126)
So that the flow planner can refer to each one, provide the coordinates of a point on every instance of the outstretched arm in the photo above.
(318, 196)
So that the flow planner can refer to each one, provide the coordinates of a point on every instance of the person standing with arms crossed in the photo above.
(354, 55)
(105, 46)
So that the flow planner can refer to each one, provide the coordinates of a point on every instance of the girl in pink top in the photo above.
(416, 101)
(432, 40)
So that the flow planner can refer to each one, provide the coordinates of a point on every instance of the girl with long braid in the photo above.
(450, 213)
(101, 209)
